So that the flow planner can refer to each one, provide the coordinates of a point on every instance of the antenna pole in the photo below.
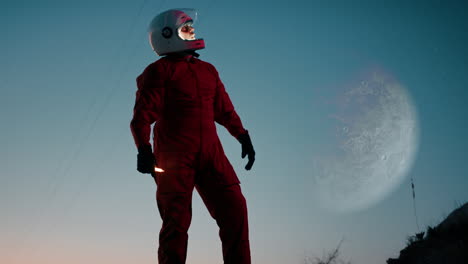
(414, 203)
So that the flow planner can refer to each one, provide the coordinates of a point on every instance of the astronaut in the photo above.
(184, 97)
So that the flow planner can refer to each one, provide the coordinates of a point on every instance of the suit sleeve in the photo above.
(149, 103)
(225, 113)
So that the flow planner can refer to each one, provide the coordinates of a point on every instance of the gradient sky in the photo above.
(69, 191)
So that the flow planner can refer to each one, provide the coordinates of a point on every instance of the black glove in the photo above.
(247, 149)
(145, 159)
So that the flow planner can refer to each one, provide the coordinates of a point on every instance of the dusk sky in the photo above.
(69, 189)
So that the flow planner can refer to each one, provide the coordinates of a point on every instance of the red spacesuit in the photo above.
(184, 97)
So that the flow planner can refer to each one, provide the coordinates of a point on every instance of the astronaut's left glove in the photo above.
(247, 149)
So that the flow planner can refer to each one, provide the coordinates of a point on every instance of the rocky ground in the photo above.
(447, 243)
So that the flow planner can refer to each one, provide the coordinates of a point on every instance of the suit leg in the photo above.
(174, 199)
(227, 206)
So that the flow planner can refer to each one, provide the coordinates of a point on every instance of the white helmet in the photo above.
(165, 28)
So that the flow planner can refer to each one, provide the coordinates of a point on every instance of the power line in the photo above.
(68, 165)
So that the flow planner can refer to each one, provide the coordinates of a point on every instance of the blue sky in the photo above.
(69, 188)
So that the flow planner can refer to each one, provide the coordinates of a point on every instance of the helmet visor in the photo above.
(184, 15)
(185, 24)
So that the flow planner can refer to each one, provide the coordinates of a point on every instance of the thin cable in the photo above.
(77, 152)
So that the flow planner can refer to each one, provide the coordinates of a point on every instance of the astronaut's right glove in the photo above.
(247, 149)
(145, 159)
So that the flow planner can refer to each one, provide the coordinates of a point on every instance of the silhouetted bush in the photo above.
(330, 258)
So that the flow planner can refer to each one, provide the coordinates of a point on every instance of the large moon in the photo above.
(374, 143)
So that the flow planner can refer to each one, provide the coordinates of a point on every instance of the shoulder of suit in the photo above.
(159, 66)
(208, 65)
